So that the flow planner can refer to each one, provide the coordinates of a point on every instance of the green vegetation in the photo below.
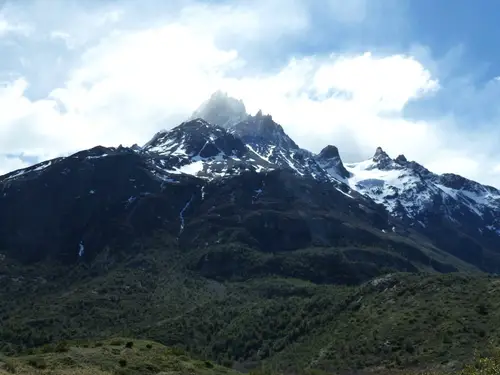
(109, 357)
(411, 321)
(115, 357)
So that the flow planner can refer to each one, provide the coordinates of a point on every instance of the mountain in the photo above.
(456, 214)
(329, 159)
(201, 185)
(203, 150)
(223, 236)
(460, 215)
(105, 198)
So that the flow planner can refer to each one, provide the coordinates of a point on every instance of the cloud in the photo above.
(9, 163)
(131, 72)
(7, 27)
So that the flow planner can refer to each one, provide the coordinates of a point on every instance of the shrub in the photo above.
(9, 366)
(37, 362)
(484, 366)
(177, 351)
(62, 347)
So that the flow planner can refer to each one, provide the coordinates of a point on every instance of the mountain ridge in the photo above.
(198, 154)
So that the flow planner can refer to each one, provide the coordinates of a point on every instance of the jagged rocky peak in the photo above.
(380, 154)
(263, 129)
(222, 110)
(329, 152)
(230, 113)
(329, 159)
(267, 118)
(383, 161)
(401, 159)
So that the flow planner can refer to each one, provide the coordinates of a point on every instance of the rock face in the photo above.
(329, 159)
(242, 189)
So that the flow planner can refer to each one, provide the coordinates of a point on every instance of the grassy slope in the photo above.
(108, 357)
(141, 357)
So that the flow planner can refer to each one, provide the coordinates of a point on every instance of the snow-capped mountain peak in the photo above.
(382, 160)
(222, 110)
(409, 191)
(203, 150)
(190, 138)
(380, 153)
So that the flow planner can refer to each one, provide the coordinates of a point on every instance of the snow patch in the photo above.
(16, 174)
(96, 156)
(193, 168)
(42, 166)
(493, 229)
(181, 215)
(130, 200)
(81, 249)
(340, 190)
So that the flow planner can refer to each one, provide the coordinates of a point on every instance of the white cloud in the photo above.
(386, 83)
(247, 21)
(8, 164)
(8, 27)
(350, 101)
(132, 81)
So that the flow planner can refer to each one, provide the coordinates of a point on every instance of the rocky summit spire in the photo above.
(380, 153)
(222, 110)
(329, 152)
(382, 160)
(329, 159)
(401, 159)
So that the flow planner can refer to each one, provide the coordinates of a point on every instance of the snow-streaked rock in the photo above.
(202, 150)
(408, 189)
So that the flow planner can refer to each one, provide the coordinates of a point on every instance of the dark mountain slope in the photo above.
(72, 208)
(235, 213)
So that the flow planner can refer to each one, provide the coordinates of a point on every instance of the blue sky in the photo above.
(417, 77)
